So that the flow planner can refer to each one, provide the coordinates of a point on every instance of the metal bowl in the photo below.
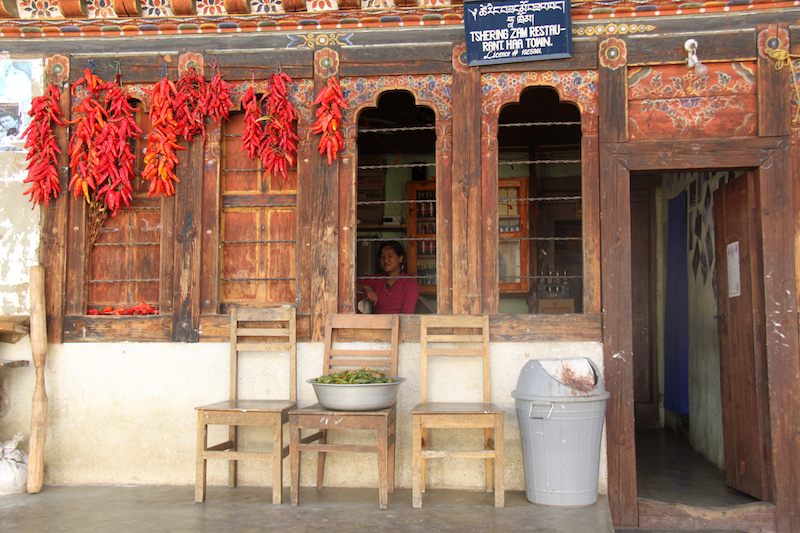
(356, 397)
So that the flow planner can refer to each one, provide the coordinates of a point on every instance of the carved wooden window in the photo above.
(258, 227)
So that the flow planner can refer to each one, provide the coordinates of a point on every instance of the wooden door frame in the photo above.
(771, 157)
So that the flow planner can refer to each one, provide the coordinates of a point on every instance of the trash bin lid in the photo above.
(574, 379)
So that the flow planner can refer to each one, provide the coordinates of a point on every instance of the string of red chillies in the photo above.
(218, 103)
(162, 141)
(40, 141)
(279, 151)
(252, 131)
(101, 157)
(189, 105)
(329, 117)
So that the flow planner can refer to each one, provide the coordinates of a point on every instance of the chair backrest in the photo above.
(344, 328)
(454, 336)
(269, 329)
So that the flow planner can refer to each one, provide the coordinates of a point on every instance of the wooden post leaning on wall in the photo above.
(776, 183)
(348, 172)
(615, 254)
(52, 246)
(38, 332)
(466, 187)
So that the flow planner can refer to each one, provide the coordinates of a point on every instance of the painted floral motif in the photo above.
(100, 9)
(672, 100)
(433, 3)
(210, 7)
(613, 53)
(578, 86)
(774, 38)
(156, 8)
(38, 9)
(377, 4)
(266, 6)
(433, 90)
(315, 6)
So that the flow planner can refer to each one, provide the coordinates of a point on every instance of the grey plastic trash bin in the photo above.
(560, 408)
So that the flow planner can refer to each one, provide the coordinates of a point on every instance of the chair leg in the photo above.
(277, 462)
(232, 464)
(488, 463)
(321, 459)
(392, 451)
(424, 442)
(499, 462)
(416, 462)
(200, 472)
(294, 462)
(383, 467)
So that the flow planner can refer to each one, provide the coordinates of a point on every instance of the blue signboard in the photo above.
(507, 31)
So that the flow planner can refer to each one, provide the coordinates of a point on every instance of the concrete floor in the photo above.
(172, 509)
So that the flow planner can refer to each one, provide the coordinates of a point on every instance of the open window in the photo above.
(540, 245)
(396, 190)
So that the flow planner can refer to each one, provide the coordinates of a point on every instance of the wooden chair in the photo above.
(456, 336)
(252, 330)
(318, 418)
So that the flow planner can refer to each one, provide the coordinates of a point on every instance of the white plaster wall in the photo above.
(124, 413)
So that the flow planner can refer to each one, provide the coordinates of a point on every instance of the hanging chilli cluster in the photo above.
(268, 132)
(40, 141)
(179, 109)
(100, 154)
(329, 117)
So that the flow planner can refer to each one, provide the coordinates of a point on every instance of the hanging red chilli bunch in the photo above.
(101, 157)
(329, 118)
(40, 141)
(191, 94)
(218, 102)
(253, 131)
(162, 141)
(280, 141)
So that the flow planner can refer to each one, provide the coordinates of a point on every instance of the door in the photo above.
(740, 308)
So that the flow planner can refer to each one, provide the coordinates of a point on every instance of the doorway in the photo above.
(696, 378)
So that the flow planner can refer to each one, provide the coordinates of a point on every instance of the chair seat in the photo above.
(445, 408)
(249, 405)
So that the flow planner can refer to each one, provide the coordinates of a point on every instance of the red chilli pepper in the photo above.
(329, 117)
(40, 141)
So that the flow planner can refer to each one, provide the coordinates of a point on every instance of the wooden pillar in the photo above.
(489, 238)
(52, 248)
(776, 183)
(590, 217)
(210, 238)
(318, 209)
(615, 258)
(466, 189)
(347, 216)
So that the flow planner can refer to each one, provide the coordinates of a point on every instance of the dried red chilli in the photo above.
(162, 141)
(279, 150)
(189, 104)
(101, 157)
(40, 142)
(116, 154)
(218, 102)
(253, 130)
(329, 117)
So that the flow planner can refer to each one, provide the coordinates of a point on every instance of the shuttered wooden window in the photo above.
(124, 262)
(258, 227)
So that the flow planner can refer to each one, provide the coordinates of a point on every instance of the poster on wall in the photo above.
(17, 81)
(508, 31)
